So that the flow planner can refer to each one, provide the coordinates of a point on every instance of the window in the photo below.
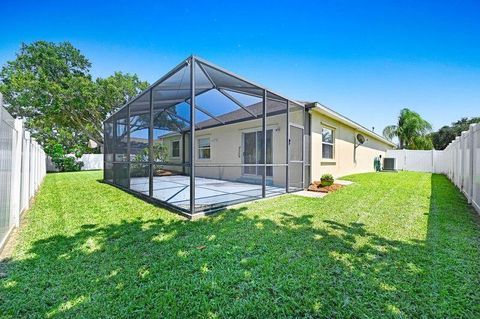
(176, 149)
(327, 143)
(204, 148)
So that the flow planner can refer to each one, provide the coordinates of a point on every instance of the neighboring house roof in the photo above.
(139, 139)
(239, 115)
(169, 134)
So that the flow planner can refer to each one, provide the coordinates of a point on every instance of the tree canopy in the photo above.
(50, 86)
(411, 130)
(115, 91)
(446, 134)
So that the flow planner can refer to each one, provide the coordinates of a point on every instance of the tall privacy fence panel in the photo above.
(90, 162)
(22, 169)
(460, 161)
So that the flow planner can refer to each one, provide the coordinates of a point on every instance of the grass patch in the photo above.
(390, 245)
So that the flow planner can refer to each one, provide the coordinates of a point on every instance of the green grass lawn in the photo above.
(390, 245)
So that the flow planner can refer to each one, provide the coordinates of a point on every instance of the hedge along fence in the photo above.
(460, 161)
(22, 169)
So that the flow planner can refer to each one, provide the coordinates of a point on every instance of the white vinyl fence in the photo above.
(22, 169)
(460, 161)
(418, 161)
(90, 162)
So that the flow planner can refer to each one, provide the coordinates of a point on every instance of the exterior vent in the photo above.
(388, 164)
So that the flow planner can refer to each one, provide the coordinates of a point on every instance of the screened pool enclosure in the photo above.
(202, 138)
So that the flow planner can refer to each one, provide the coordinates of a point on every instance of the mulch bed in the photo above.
(317, 187)
(164, 172)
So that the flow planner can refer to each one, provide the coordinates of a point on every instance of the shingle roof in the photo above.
(273, 107)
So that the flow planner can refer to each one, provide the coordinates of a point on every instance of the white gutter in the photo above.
(322, 109)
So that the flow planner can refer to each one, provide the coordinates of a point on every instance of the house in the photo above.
(250, 142)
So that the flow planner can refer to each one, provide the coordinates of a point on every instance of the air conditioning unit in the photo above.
(389, 164)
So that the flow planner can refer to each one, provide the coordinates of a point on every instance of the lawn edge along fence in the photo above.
(459, 161)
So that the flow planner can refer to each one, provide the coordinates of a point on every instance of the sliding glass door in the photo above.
(253, 151)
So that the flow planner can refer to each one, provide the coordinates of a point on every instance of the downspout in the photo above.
(355, 147)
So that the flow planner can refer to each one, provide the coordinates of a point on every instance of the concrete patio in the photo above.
(175, 190)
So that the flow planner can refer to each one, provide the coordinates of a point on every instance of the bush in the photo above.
(70, 164)
(139, 170)
(327, 180)
(63, 162)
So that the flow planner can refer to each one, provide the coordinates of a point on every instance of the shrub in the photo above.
(70, 164)
(160, 153)
(63, 162)
(327, 180)
(139, 170)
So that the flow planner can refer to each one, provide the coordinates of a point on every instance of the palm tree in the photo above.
(411, 130)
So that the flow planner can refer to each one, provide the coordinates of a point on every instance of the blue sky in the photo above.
(364, 59)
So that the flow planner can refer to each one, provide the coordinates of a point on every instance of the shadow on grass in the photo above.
(239, 265)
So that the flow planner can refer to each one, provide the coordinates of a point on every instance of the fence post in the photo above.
(31, 160)
(16, 173)
(472, 163)
(464, 151)
(476, 167)
(455, 162)
(433, 160)
(26, 172)
(458, 163)
(451, 156)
